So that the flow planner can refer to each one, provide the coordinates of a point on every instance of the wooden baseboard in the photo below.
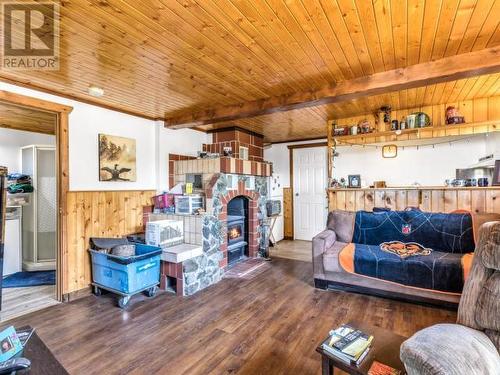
(77, 294)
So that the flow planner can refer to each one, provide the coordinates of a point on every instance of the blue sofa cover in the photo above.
(442, 240)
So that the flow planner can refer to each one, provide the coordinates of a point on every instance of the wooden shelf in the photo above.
(422, 133)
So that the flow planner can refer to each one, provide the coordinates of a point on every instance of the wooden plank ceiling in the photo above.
(162, 58)
(27, 119)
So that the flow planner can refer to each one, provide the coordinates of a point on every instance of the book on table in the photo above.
(378, 368)
(348, 344)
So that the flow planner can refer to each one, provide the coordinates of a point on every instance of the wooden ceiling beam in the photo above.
(451, 68)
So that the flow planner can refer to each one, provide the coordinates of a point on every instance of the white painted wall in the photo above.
(279, 155)
(153, 143)
(426, 166)
(182, 141)
(11, 142)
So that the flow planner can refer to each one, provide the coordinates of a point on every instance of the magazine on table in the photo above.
(349, 344)
(10, 344)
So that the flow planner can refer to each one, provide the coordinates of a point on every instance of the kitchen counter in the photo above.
(419, 188)
(427, 198)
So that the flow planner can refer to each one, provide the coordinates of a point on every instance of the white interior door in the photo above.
(309, 196)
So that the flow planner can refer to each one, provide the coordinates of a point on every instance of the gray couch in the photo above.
(329, 274)
(472, 345)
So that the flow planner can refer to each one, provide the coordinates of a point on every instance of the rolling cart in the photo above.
(127, 276)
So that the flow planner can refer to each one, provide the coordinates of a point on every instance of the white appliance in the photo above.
(276, 193)
(189, 204)
(12, 249)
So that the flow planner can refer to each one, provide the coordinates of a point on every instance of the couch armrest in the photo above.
(436, 351)
(320, 243)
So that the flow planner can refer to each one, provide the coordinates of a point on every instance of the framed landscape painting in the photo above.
(117, 158)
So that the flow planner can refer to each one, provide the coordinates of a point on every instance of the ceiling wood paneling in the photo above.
(164, 58)
(486, 61)
(27, 119)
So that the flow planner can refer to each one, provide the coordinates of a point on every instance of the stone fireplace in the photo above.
(234, 225)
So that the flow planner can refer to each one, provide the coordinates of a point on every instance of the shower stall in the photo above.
(40, 216)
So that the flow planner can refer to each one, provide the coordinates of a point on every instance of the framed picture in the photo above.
(354, 180)
(117, 158)
(496, 174)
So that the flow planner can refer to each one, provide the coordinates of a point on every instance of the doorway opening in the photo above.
(308, 167)
(33, 134)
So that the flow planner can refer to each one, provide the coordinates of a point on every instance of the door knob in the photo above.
(296, 194)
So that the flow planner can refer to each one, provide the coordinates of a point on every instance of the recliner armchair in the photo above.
(472, 345)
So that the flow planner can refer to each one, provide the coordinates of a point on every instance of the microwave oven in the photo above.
(189, 204)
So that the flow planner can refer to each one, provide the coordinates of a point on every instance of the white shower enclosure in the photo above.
(39, 223)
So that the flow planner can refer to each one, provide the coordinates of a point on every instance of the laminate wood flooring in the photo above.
(298, 250)
(20, 301)
(270, 324)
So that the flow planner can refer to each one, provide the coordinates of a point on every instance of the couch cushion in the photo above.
(331, 257)
(488, 304)
(436, 270)
(342, 222)
(450, 349)
(451, 233)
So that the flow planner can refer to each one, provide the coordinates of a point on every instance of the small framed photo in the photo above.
(354, 180)
(496, 174)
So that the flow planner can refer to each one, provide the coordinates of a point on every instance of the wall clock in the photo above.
(389, 151)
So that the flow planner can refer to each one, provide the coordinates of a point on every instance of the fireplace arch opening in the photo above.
(237, 229)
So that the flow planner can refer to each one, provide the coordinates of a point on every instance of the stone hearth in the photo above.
(208, 268)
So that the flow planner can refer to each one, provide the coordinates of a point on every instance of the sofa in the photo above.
(411, 255)
(472, 345)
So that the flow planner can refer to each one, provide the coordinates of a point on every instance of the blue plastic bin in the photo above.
(127, 275)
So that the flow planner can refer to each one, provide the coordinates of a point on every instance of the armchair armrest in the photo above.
(320, 243)
(436, 351)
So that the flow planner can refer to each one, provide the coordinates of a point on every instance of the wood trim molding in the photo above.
(28, 101)
(290, 151)
(308, 145)
(62, 167)
(451, 68)
(292, 182)
(295, 140)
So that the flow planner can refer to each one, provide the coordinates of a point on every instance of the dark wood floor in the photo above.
(270, 324)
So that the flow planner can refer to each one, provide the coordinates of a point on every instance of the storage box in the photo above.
(165, 233)
(189, 204)
(165, 200)
(127, 274)
(19, 199)
(273, 207)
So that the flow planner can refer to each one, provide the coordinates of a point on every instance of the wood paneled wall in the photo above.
(98, 214)
(288, 213)
(427, 199)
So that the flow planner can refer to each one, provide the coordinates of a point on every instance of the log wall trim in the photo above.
(431, 199)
